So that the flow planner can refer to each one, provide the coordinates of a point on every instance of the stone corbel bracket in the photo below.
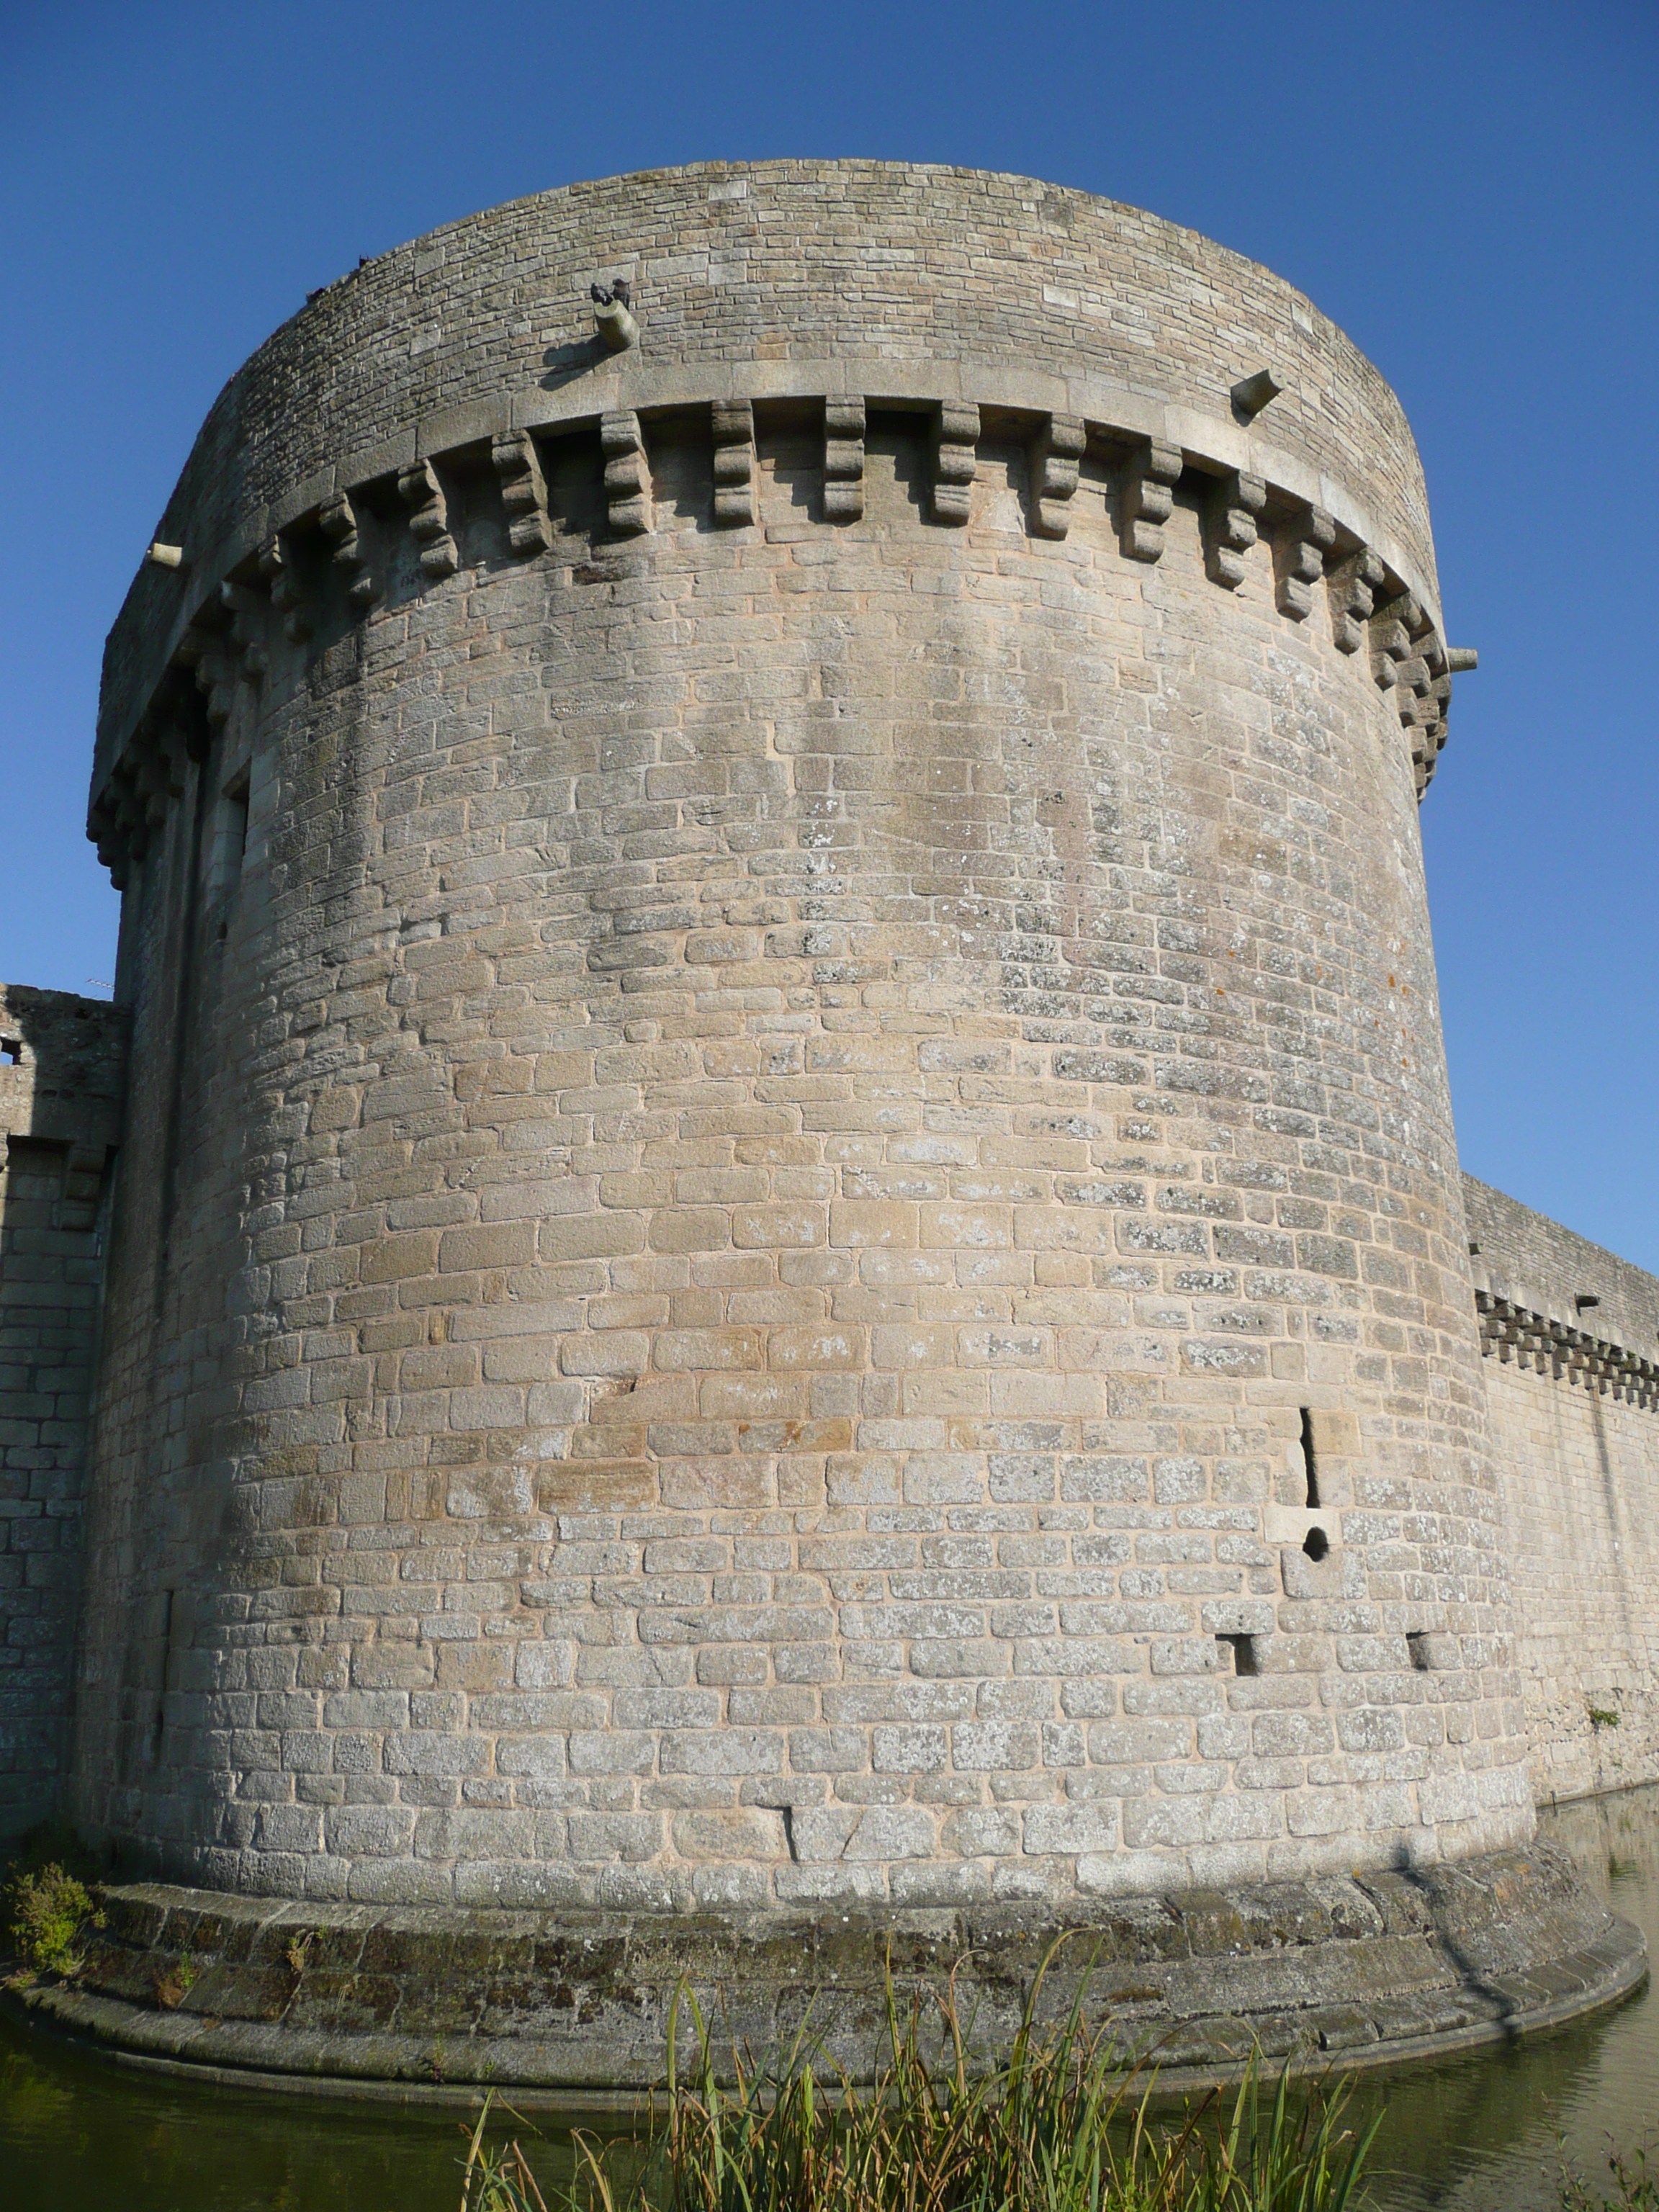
(952, 447)
(215, 663)
(843, 460)
(1515, 1335)
(627, 474)
(336, 519)
(524, 492)
(1408, 659)
(288, 597)
(1300, 550)
(1056, 456)
(1229, 532)
(429, 520)
(733, 424)
(1354, 584)
(1146, 499)
(246, 615)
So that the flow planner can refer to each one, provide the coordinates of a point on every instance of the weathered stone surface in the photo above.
(62, 1066)
(789, 1252)
(580, 2004)
(1571, 1335)
(792, 1118)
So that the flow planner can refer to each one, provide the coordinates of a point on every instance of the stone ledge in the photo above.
(417, 2003)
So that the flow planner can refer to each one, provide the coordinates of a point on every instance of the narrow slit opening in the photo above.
(1308, 1461)
(158, 1723)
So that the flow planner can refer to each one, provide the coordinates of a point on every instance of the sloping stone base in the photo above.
(1344, 1971)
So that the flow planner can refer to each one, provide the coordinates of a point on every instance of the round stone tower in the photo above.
(789, 1232)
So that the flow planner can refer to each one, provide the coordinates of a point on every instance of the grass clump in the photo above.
(1057, 2127)
(47, 1911)
(1634, 2186)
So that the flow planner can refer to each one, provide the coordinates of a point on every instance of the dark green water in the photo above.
(1485, 2133)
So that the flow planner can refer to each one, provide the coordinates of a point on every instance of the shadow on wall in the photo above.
(62, 1065)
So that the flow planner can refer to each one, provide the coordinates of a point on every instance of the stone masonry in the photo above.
(789, 1233)
(61, 1070)
(1572, 1338)
(788, 1274)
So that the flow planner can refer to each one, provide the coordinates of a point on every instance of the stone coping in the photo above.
(571, 2010)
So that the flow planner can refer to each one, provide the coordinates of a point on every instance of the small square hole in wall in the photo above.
(1243, 1651)
(11, 1051)
(1417, 1643)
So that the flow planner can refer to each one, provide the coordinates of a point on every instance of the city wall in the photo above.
(1571, 1335)
(62, 1067)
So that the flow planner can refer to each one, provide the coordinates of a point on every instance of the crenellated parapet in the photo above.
(1330, 560)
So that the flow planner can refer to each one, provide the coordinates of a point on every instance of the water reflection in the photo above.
(1489, 2132)
(1484, 2133)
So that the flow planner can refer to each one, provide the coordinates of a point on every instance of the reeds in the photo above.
(1059, 2126)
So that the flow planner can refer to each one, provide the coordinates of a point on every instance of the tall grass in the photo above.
(1057, 2127)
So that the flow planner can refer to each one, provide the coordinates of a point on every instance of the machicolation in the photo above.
(787, 1269)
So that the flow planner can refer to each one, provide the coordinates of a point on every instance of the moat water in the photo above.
(1487, 2132)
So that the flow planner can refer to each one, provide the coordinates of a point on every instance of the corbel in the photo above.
(246, 631)
(428, 519)
(84, 1177)
(1354, 584)
(951, 444)
(843, 460)
(202, 651)
(1056, 456)
(1299, 553)
(733, 422)
(126, 811)
(1229, 515)
(524, 492)
(104, 829)
(626, 473)
(338, 520)
(1148, 498)
(283, 582)
(1400, 632)
(163, 775)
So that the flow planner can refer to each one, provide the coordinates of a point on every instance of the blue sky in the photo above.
(1469, 189)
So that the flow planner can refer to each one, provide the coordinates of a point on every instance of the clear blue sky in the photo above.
(1469, 189)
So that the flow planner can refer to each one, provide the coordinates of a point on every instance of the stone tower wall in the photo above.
(786, 1063)
(61, 1067)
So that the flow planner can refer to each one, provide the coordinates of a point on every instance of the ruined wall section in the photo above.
(1571, 1337)
(61, 1068)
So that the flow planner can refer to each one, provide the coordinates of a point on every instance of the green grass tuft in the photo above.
(1057, 2127)
(48, 1911)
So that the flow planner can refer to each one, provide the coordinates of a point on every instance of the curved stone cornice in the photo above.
(1320, 529)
